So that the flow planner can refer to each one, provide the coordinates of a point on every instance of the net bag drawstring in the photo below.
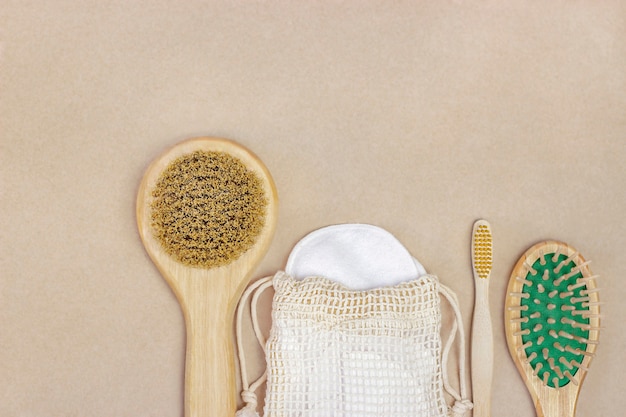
(462, 404)
(248, 393)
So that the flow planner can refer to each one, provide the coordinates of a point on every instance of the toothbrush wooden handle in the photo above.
(482, 350)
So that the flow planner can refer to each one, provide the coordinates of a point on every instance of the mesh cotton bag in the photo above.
(333, 351)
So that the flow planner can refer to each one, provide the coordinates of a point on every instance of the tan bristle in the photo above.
(571, 378)
(482, 251)
(207, 209)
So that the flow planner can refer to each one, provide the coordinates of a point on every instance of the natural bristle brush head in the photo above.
(206, 213)
(552, 319)
(208, 208)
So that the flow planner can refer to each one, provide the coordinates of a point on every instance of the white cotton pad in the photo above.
(358, 256)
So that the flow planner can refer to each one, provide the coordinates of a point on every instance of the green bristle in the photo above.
(559, 332)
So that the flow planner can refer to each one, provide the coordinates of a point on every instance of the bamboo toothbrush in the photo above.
(552, 321)
(482, 332)
(206, 212)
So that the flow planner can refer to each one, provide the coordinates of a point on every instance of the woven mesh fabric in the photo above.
(337, 352)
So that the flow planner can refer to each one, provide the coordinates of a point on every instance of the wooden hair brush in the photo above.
(552, 319)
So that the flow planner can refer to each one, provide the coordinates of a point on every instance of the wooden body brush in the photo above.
(206, 212)
(552, 319)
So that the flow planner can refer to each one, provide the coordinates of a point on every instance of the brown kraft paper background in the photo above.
(419, 117)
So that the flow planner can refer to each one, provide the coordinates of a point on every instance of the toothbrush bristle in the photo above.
(482, 255)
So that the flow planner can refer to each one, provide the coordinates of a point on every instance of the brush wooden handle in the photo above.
(210, 385)
(208, 299)
(482, 350)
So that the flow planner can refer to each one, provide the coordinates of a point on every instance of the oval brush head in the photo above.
(206, 212)
(552, 321)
